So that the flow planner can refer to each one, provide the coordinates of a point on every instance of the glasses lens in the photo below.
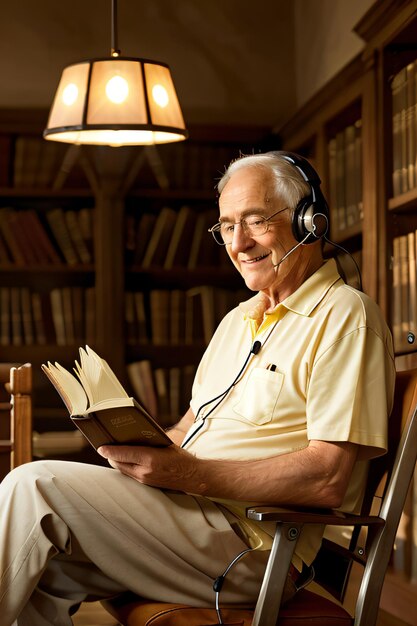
(255, 225)
(215, 231)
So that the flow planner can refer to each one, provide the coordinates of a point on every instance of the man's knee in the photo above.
(27, 473)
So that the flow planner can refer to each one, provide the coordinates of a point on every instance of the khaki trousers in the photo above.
(71, 532)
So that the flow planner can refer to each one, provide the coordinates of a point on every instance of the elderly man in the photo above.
(289, 402)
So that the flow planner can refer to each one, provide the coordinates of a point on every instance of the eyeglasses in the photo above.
(253, 226)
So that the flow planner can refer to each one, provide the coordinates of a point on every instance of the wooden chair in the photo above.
(15, 416)
(388, 483)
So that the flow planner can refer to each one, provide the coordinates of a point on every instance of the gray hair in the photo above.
(289, 184)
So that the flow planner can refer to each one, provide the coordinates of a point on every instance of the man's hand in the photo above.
(167, 468)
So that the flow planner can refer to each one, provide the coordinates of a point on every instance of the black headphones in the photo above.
(311, 217)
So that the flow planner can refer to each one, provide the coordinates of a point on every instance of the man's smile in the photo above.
(255, 259)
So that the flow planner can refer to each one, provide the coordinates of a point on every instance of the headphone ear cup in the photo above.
(307, 222)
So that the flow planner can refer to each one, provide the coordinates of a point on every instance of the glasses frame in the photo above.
(216, 228)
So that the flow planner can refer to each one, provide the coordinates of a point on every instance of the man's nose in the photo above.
(241, 240)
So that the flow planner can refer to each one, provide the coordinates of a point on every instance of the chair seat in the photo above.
(305, 608)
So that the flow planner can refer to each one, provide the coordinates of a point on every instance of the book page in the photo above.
(111, 403)
(97, 378)
(68, 387)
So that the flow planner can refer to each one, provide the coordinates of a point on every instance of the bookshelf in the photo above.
(376, 94)
(78, 263)
(178, 282)
(328, 130)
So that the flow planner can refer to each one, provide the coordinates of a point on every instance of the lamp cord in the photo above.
(114, 51)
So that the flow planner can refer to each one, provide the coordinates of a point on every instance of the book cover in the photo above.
(396, 293)
(5, 258)
(27, 320)
(398, 89)
(144, 229)
(57, 308)
(8, 234)
(141, 378)
(157, 248)
(23, 240)
(99, 406)
(141, 324)
(44, 244)
(160, 316)
(16, 316)
(5, 316)
(86, 224)
(130, 319)
(58, 225)
(74, 229)
(38, 319)
(412, 282)
(179, 246)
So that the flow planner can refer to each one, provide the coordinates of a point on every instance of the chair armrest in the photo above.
(311, 516)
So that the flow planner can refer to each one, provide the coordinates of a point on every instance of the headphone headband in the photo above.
(311, 215)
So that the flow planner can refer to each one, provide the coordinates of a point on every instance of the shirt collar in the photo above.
(303, 301)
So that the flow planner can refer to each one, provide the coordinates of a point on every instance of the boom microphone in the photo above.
(287, 254)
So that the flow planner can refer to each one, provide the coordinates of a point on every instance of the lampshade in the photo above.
(116, 101)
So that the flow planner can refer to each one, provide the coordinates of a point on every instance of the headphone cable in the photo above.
(339, 247)
(254, 350)
(218, 583)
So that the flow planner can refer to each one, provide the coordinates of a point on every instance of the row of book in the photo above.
(54, 237)
(62, 316)
(176, 316)
(404, 129)
(36, 161)
(173, 238)
(345, 177)
(404, 294)
(188, 165)
(192, 165)
(165, 392)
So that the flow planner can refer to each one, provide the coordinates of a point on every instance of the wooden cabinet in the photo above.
(377, 91)
(89, 205)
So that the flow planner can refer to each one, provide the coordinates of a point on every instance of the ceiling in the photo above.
(231, 64)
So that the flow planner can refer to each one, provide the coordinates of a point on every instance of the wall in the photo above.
(324, 41)
(227, 57)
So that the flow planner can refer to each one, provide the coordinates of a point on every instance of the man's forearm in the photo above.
(315, 476)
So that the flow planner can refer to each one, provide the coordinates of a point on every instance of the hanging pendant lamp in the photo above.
(116, 101)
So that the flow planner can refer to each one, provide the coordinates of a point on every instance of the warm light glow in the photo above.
(70, 94)
(117, 89)
(115, 137)
(160, 95)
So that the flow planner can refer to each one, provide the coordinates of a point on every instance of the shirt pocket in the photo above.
(260, 396)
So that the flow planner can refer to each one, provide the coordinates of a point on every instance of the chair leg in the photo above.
(270, 595)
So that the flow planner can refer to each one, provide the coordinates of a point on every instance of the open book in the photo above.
(100, 407)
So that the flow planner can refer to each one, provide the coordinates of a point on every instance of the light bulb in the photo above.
(117, 89)
(70, 94)
(160, 95)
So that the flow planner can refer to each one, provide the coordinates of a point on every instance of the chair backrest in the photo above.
(15, 415)
(405, 400)
(383, 496)
(399, 467)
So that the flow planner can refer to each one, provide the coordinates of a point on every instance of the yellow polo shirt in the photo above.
(325, 371)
